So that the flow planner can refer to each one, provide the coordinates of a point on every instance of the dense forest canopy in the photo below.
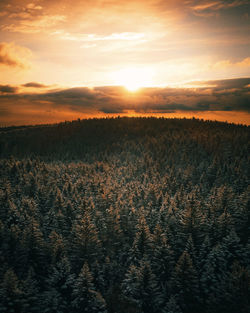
(125, 215)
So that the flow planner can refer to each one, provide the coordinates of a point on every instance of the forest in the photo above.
(125, 215)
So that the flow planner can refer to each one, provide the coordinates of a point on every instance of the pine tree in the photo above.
(238, 290)
(85, 297)
(34, 252)
(142, 245)
(190, 248)
(214, 280)
(141, 286)
(59, 288)
(163, 258)
(11, 295)
(232, 248)
(205, 249)
(57, 247)
(185, 284)
(31, 295)
(86, 244)
(113, 229)
(172, 306)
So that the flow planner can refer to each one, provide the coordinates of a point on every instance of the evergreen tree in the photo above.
(141, 285)
(238, 290)
(86, 244)
(33, 248)
(142, 245)
(11, 295)
(163, 258)
(232, 248)
(31, 294)
(214, 280)
(185, 284)
(59, 288)
(172, 306)
(85, 297)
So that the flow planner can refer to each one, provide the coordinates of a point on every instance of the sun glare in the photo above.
(133, 78)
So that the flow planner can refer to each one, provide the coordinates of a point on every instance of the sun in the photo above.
(133, 78)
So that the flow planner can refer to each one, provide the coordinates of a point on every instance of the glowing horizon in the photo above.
(134, 44)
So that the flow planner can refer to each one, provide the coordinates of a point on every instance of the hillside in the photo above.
(125, 215)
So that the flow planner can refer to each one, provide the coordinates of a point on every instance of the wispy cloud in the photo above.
(125, 36)
(216, 5)
(32, 25)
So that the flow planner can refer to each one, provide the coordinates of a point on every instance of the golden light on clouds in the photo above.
(14, 56)
(133, 44)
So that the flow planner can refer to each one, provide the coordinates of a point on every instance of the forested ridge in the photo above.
(125, 215)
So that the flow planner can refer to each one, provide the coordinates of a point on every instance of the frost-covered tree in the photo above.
(185, 284)
(85, 297)
(141, 285)
(59, 287)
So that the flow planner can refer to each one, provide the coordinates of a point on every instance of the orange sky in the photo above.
(167, 44)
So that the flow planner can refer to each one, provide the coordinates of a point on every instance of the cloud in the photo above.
(34, 85)
(125, 36)
(30, 18)
(27, 23)
(8, 89)
(3, 13)
(215, 99)
(225, 64)
(222, 95)
(33, 6)
(12, 55)
(217, 5)
(224, 83)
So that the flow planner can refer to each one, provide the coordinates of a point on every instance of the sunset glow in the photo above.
(134, 78)
(57, 46)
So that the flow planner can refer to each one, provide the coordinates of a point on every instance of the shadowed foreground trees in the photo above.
(135, 215)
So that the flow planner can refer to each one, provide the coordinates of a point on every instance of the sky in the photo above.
(61, 59)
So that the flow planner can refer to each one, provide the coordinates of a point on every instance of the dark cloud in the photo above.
(109, 110)
(8, 89)
(34, 85)
(225, 83)
(210, 8)
(225, 95)
(72, 93)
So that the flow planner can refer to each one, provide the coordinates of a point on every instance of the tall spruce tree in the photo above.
(85, 297)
